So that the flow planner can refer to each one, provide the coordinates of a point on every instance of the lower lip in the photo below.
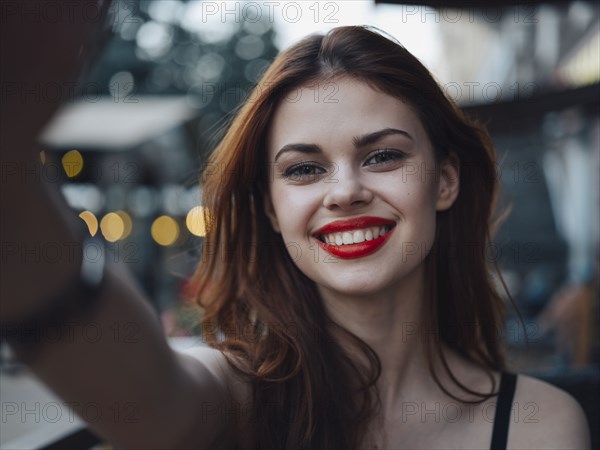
(353, 251)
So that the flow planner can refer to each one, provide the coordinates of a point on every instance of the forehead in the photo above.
(332, 113)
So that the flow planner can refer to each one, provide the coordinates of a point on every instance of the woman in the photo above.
(346, 294)
(352, 236)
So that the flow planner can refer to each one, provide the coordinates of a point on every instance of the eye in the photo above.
(385, 156)
(303, 172)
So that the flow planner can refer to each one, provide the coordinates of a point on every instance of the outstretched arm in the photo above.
(147, 395)
(143, 394)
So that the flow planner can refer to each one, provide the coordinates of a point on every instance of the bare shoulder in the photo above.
(546, 417)
(217, 364)
(239, 394)
(210, 358)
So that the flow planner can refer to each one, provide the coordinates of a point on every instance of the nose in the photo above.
(346, 190)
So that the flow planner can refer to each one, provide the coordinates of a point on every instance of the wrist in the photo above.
(77, 297)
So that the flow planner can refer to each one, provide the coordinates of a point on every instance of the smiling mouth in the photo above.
(357, 236)
(352, 244)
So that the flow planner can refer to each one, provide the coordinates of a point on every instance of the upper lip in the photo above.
(337, 226)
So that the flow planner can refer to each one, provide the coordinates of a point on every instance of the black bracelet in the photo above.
(79, 297)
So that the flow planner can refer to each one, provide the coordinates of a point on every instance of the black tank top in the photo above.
(508, 382)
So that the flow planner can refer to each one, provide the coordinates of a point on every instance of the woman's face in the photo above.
(354, 187)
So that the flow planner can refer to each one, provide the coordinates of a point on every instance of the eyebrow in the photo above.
(358, 141)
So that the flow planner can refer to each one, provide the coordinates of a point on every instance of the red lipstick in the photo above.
(352, 251)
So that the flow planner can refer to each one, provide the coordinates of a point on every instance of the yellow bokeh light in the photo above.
(127, 223)
(112, 227)
(72, 162)
(90, 220)
(195, 221)
(43, 157)
(165, 230)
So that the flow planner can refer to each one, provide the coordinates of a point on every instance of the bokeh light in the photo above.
(90, 220)
(127, 223)
(72, 163)
(165, 230)
(195, 221)
(112, 227)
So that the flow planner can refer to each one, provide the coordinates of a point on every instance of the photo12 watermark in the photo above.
(270, 11)
(69, 412)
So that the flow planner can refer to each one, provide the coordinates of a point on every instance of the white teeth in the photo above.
(356, 236)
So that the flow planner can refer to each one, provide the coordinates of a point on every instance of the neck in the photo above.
(390, 322)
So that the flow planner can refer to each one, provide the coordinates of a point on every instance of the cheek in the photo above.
(410, 193)
(294, 206)
(415, 202)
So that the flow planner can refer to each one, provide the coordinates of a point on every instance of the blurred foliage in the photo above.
(182, 48)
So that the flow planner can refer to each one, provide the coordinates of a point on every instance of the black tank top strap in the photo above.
(508, 383)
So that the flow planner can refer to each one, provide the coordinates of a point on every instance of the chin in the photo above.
(370, 283)
(357, 286)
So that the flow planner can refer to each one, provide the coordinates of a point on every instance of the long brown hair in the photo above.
(267, 316)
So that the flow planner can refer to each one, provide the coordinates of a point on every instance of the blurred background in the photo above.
(168, 74)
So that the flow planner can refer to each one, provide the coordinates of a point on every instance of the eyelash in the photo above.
(396, 154)
(292, 171)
